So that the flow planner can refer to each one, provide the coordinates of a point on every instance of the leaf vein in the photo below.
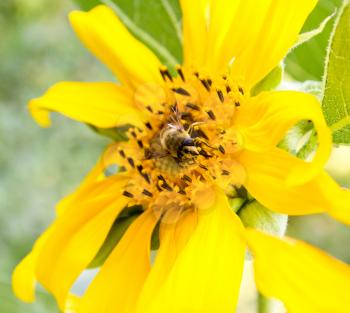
(171, 13)
(340, 124)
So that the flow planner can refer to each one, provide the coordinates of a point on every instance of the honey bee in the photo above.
(175, 141)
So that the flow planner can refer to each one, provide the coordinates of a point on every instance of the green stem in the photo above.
(266, 305)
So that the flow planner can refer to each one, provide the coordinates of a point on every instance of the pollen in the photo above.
(187, 143)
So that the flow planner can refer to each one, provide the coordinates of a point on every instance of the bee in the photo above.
(178, 142)
(175, 142)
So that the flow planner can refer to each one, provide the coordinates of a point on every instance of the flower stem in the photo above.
(266, 305)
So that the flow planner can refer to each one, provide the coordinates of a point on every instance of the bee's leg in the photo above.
(199, 141)
(191, 127)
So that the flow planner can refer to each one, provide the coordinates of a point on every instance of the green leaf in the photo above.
(87, 4)
(155, 241)
(293, 141)
(302, 140)
(309, 147)
(305, 37)
(306, 62)
(117, 231)
(336, 100)
(155, 23)
(270, 81)
(116, 133)
(256, 216)
(267, 305)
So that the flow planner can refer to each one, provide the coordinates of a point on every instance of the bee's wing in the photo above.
(175, 118)
(156, 151)
(159, 154)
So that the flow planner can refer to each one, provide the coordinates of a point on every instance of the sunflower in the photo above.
(195, 141)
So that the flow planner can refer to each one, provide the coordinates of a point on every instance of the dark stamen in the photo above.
(202, 134)
(149, 108)
(203, 167)
(128, 194)
(181, 91)
(187, 178)
(147, 193)
(237, 104)
(179, 70)
(193, 106)
(133, 133)
(165, 74)
(122, 153)
(161, 177)
(140, 168)
(205, 154)
(211, 115)
(228, 89)
(182, 192)
(166, 186)
(225, 173)
(186, 116)
(205, 84)
(148, 125)
(220, 95)
(140, 143)
(146, 177)
(221, 149)
(131, 162)
(240, 89)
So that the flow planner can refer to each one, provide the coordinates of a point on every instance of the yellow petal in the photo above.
(173, 237)
(265, 119)
(94, 182)
(71, 304)
(108, 39)
(23, 277)
(341, 198)
(100, 104)
(303, 277)
(195, 24)
(88, 183)
(207, 273)
(222, 13)
(117, 285)
(266, 181)
(77, 235)
(260, 35)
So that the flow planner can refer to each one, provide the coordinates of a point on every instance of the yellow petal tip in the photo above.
(23, 283)
(41, 116)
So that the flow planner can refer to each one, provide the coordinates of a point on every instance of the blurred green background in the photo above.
(39, 166)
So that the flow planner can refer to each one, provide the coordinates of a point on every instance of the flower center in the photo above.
(188, 142)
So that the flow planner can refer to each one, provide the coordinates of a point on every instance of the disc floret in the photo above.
(188, 142)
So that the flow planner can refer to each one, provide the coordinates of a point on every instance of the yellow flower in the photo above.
(195, 137)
